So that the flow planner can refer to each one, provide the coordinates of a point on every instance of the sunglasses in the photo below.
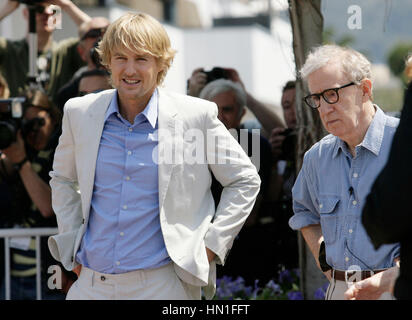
(94, 33)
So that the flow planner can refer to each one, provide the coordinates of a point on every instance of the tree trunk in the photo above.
(307, 25)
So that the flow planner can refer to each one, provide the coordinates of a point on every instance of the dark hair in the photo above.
(289, 85)
(39, 99)
(95, 72)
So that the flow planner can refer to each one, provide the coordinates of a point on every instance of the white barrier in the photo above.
(25, 232)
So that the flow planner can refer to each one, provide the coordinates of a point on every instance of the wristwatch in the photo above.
(17, 166)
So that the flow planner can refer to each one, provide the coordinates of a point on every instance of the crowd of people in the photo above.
(80, 157)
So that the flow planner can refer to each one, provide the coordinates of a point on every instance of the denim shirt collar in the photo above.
(373, 137)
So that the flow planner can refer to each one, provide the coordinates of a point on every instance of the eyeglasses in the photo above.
(94, 33)
(331, 96)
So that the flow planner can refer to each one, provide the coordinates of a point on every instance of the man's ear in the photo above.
(366, 85)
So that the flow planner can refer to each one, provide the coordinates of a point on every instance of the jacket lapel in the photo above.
(94, 123)
(168, 132)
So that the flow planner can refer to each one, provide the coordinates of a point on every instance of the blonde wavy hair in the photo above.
(140, 33)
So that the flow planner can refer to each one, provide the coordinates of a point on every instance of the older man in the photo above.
(144, 226)
(338, 171)
(231, 99)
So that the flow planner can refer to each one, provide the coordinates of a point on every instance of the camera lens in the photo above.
(7, 134)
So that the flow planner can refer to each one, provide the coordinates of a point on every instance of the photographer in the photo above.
(254, 237)
(90, 33)
(283, 143)
(57, 62)
(24, 167)
(266, 117)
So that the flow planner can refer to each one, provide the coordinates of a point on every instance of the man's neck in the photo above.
(363, 127)
(129, 109)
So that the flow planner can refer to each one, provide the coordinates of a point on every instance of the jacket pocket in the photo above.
(329, 217)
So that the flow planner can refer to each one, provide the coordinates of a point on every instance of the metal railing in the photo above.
(19, 233)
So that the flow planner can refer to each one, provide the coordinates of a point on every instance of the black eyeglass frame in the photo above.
(305, 99)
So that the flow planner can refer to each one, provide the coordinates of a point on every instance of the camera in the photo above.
(289, 144)
(11, 120)
(30, 2)
(216, 73)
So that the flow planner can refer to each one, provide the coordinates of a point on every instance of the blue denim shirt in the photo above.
(331, 190)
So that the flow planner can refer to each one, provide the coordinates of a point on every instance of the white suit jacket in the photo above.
(188, 219)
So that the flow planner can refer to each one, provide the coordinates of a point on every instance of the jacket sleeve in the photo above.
(66, 200)
(387, 214)
(240, 180)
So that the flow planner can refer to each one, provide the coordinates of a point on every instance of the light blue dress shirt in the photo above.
(123, 233)
(331, 189)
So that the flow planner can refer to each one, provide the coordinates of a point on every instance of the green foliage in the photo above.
(389, 99)
(397, 57)
(329, 37)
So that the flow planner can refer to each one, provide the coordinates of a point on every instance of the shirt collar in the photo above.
(150, 112)
(373, 137)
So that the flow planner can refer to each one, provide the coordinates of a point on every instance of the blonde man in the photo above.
(144, 226)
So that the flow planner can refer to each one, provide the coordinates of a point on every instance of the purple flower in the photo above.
(295, 295)
(320, 294)
(273, 286)
(256, 284)
(220, 293)
(248, 291)
(285, 276)
(296, 272)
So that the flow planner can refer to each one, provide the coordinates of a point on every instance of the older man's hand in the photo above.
(196, 82)
(373, 287)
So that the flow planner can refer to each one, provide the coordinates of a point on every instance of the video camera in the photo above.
(11, 121)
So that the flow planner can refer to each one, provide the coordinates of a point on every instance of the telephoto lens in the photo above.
(11, 114)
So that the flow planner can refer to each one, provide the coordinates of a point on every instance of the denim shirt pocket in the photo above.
(329, 217)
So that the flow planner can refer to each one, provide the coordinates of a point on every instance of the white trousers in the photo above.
(152, 284)
(337, 289)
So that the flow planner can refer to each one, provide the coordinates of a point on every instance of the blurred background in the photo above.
(255, 38)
